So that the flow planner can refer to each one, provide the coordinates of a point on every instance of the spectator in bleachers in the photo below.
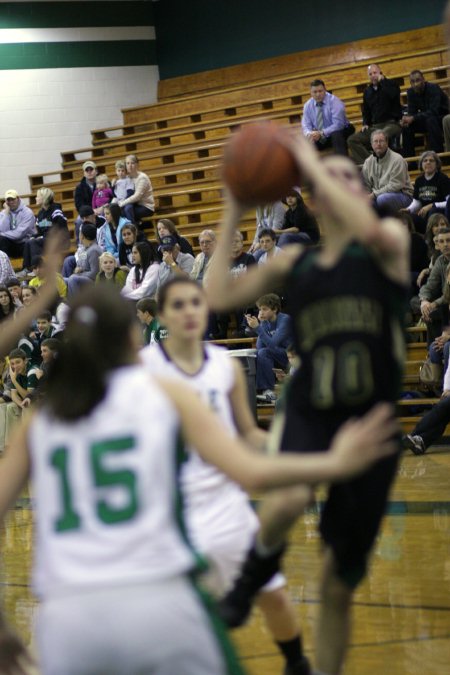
(173, 261)
(50, 217)
(439, 349)
(14, 287)
(87, 265)
(433, 306)
(6, 270)
(23, 381)
(102, 195)
(141, 203)
(435, 224)
(17, 225)
(143, 276)
(386, 175)
(109, 272)
(130, 235)
(199, 272)
(49, 351)
(324, 120)
(40, 278)
(268, 244)
(240, 261)
(298, 222)
(274, 335)
(166, 227)
(29, 295)
(147, 314)
(122, 185)
(381, 110)
(431, 190)
(87, 215)
(85, 188)
(208, 243)
(84, 191)
(8, 305)
(109, 235)
(31, 343)
(239, 264)
(268, 216)
(427, 105)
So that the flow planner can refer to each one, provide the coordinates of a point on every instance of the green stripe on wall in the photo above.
(77, 54)
(75, 14)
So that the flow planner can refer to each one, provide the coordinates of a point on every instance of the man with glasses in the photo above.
(17, 225)
(207, 241)
(217, 325)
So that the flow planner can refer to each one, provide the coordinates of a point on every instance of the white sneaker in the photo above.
(268, 396)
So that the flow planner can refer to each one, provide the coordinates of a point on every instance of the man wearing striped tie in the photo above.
(324, 120)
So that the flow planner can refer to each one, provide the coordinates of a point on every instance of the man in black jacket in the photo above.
(84, 191)
(381, 109)
(427, 105)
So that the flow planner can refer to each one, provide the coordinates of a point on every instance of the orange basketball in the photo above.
(258, 167)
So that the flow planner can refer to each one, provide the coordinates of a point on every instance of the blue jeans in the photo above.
(68, 266)
(75, 282)
(268, 358)
(393, 200)
(135, 212)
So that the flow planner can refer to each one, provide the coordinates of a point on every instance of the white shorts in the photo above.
(159, 628)
(222, 528)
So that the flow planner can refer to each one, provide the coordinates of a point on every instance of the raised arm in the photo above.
(349, 454)
(13, 328)
(226, 293)
(344, 204)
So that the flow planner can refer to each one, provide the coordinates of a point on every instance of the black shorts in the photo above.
(351, 517)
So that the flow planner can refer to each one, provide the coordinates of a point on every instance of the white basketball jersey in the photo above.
(213, 382)
(105, 490)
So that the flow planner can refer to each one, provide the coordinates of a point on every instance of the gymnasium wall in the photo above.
(200, 35)
(66, 68)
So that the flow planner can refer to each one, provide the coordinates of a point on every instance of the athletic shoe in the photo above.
(301, 668)
(268, 396)
(414, 443)
(22, 274)
(234, 609)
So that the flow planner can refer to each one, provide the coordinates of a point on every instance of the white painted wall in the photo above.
(44, 112)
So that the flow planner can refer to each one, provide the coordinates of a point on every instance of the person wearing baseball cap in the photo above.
(88, 215)
(173, 261)
(84, 191)
(17, 224)
(89, 164)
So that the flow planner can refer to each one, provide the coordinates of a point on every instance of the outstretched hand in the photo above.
(361, 442)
